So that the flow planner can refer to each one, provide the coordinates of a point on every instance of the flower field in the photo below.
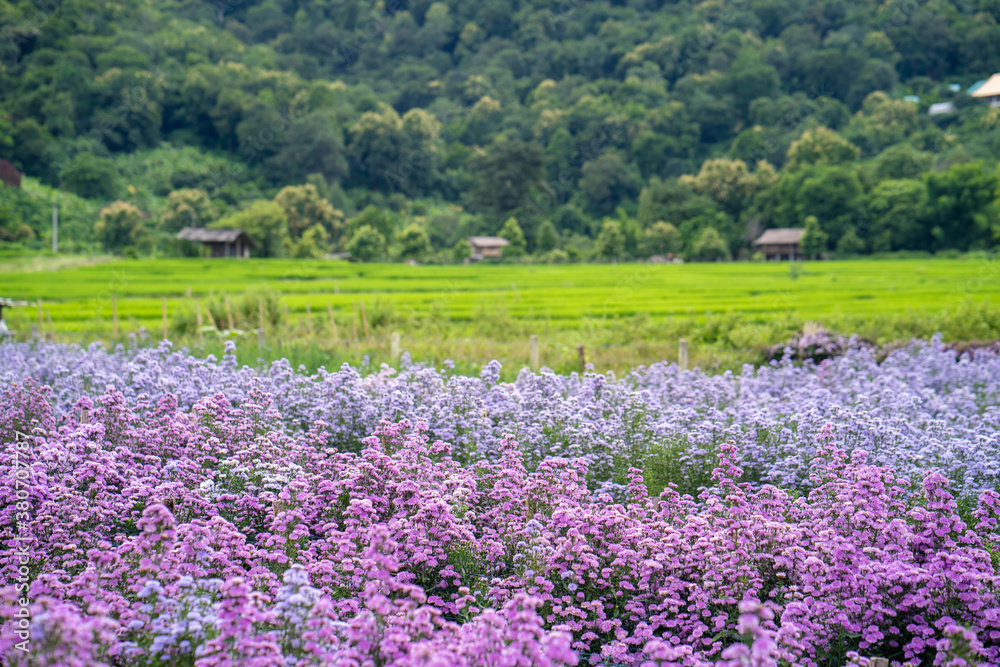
(165, 509)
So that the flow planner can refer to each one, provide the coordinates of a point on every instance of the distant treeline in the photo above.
(398, 128)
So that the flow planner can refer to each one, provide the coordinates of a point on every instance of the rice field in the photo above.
(722, 307)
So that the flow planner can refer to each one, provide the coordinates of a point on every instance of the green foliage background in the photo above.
(454, 116)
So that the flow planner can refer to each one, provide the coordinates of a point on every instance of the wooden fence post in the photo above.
(682, 354)
(354, 323)
(879, 662)
(164, 318)
(333, 323)
(229, 314)
(41, 322)
(309, 320)
(533, 352)
(197, 317)
(364, 322)
(396, 350)
(582, 357)
(288, 321)
(114, 317)
(52, 327)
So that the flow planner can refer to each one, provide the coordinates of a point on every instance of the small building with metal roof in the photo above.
(487, 247)
(989, 91)
(221, 242)
(780, 243)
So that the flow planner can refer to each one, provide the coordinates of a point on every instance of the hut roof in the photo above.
(989, 89)
(939, 108)
(203, 235)
(783, 236)
(488, 241)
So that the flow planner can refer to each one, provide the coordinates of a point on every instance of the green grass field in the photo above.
(725, 308)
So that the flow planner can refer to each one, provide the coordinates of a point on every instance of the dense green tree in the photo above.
(661, 238)
(504, 174)
(814, 239)
(461, 251)
(831, 193)
(187, 207)
(314, 243)
(555, 256)
(820, 146)
(960, 208)
(375, 146)
(511, 231)
(266, 20)
(305, 208)
(28, 151)
(760, 143)
(883, 122)
(831, 70)
(120, 225)
(750, 78)
(850, 243)
(380, 219)
(547, 237)
(671, 199)
(413, 242)
(12, 227)
(892, 216)
(606, 181)
(710, 246)
(265, 222)
(227, 113)
(902, 161)
(445, 228)
(366, 244)
(258, 131)
(125, 111)
(689, 211)
(558, 154)
(7, 139)
(91, 176)
(394, 153)
(728, 182)
(611, 241)
(571, 219)
(310, 145)
(652, 153)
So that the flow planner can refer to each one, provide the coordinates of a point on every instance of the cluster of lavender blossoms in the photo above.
(210, 515)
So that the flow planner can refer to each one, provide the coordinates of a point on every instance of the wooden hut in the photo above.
(222, 242)
(487, 247)
(780, 243)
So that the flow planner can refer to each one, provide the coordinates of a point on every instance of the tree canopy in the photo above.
(452, 117)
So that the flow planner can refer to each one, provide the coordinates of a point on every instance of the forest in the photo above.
(578, 130)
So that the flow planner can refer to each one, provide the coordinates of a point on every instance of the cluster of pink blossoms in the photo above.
(214, 535)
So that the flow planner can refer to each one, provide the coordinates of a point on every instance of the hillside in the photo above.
(607, 129)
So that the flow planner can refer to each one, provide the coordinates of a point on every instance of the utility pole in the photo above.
(55, 229)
